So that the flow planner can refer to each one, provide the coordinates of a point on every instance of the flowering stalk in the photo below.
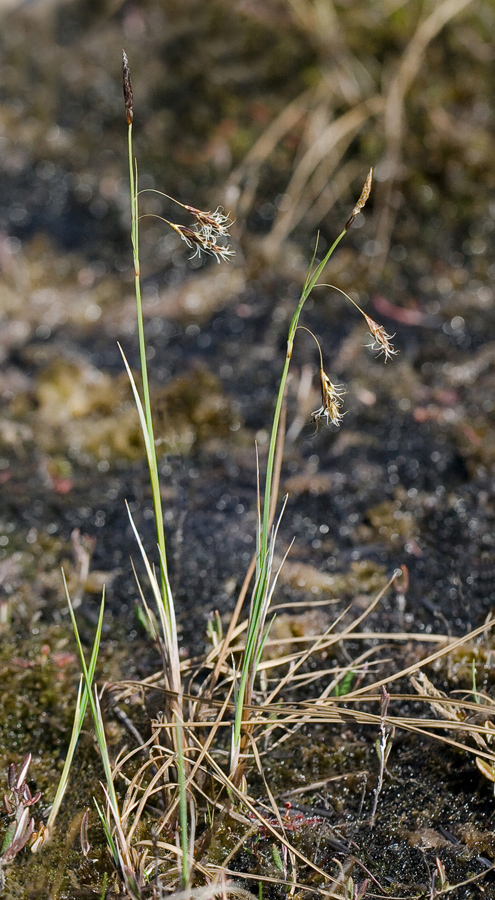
(362, 200)
(380, 340)
(310, 282)
(265, 546)
(264, 585)
(203, 237)
(150, 443)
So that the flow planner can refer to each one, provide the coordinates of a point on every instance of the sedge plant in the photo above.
(182, 762)
(166, 603)
(202, 237)
(206, 235)
(162, 589)
(330, 410)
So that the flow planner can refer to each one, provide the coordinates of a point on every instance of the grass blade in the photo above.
(79, 714)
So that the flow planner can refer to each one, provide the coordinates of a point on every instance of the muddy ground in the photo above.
(407, 479)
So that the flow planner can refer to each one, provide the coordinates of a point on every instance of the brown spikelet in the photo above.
(380, 340)
(127, 88)
(331, 394)
(201, 241)
(212, 223)
(362, 200)
(331, 401)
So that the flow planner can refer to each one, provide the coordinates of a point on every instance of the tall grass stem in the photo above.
(183, 817)
(150, 444)
(309, 284)
(266, 537)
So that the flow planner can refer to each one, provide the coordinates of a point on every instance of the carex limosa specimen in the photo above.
(206, 235)
(330, 410)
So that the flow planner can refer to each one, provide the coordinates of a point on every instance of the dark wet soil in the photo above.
(407, 480)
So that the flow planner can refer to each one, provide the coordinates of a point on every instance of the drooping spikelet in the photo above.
(380, 340)
(211, 223)
(203, 235)
(331, 401)
(331, 394)
(201, 241)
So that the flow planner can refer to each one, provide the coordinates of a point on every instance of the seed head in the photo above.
(211, 223)
(201, 241)
(127, 88)
(219, 252)
(362, 200)
(331, 401)
(203, 235)
(380, 340)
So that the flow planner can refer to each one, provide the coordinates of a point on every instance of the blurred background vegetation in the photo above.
(274, 109)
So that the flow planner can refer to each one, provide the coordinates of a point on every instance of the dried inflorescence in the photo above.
(204, 235)
(331, 394)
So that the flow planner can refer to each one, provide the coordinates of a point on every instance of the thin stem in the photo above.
(266, 544)
(181, 778)
(309, 284)
(303, 328)
(151, 453)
